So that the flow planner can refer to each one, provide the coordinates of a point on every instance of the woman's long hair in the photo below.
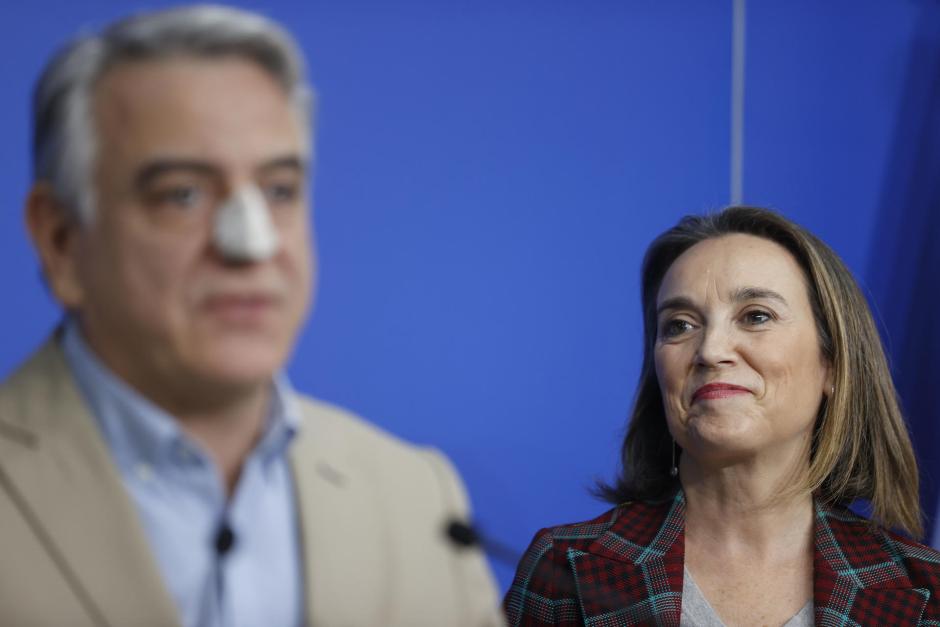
(860, 448)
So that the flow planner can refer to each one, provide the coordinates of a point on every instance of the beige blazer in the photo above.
(372, 509)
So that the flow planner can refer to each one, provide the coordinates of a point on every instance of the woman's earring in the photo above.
(674, 471)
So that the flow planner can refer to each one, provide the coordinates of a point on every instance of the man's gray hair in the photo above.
(64, 137)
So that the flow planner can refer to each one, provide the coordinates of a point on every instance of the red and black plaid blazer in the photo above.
(625, 568)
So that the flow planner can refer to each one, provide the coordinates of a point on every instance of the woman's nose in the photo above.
(716, 347)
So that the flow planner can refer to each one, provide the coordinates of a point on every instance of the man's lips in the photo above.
(718, 390)
(240, 307)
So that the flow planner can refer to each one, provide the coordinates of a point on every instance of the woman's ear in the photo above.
(54, 231)
(829, 386)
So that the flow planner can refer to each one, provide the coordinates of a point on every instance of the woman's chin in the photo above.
(723, 444)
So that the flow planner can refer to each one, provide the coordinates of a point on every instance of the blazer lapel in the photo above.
(632, 574)
(341, 528)
(59, 473)
(855, 580)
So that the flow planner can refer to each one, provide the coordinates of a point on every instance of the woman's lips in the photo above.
(711, 391)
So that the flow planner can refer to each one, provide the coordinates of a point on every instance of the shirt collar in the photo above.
(138, 431)
(283, 420)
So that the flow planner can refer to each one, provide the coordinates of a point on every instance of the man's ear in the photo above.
(55, 232)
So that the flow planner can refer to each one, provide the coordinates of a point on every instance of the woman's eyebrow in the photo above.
(676, 302)
(756, 293)
(739, 295)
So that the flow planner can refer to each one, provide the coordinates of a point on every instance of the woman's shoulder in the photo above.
(545, 589)
(922, 561)
(544, 585)
(852, 532)
(570, 534)
(639, 520)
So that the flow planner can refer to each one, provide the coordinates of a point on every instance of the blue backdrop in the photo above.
(489, 174)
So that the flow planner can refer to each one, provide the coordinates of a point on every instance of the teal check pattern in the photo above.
(625, 567)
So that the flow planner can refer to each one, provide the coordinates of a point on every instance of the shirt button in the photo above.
(185, 454)
(144, 472)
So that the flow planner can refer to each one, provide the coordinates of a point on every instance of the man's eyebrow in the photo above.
(739, 295)
(154, 169)
(159, 167)
(286, 162)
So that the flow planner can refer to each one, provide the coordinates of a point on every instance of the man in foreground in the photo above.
(156, 467)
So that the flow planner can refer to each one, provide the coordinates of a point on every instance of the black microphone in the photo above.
(224, 539)
(464, 536)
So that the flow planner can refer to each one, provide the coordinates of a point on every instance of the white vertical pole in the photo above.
(738, 54)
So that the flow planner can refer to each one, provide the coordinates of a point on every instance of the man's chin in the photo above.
(240, 363)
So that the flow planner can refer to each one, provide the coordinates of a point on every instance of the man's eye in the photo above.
(675, 327)
(281, 193)
(181, 196)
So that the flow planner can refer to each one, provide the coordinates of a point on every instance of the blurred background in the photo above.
(489, 174)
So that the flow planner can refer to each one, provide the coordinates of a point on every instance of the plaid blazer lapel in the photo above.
(632, 573)
(856, 580)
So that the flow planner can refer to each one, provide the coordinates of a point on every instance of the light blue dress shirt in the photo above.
(180, 497)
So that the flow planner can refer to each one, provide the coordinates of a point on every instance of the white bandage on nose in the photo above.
(243, 230)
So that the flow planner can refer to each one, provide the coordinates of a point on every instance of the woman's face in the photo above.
(737, 354)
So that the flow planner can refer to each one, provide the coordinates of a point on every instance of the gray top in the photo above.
(697, 612)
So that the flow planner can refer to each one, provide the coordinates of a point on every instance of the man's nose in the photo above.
(243, 230)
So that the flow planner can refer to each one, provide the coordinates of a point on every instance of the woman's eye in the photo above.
(757, 318)
(675, 327)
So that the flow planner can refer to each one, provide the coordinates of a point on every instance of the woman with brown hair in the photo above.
(764, 408)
